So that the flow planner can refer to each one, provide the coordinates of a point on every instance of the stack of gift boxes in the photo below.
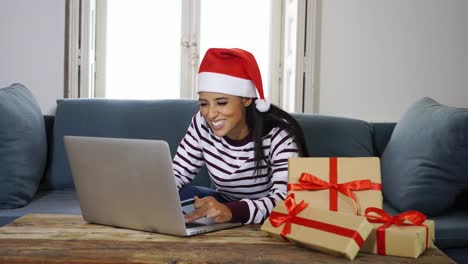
(334, 205)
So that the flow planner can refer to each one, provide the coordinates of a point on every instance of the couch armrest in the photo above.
(382, 134)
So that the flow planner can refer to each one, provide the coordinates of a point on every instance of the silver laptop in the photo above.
(130, 183)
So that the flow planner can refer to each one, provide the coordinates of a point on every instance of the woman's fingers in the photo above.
(205, 206)
(211, 208)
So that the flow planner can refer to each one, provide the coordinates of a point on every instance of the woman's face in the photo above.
(225, 114)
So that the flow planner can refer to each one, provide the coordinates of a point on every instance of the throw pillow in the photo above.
(23, 146)
(425, 164)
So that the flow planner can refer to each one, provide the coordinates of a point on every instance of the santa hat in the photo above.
(233, 72)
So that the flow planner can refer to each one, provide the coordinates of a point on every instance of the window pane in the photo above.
(290, 43)
(143, 49)
(241, 24)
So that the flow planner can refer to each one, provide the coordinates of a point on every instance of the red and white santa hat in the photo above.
(233, 72)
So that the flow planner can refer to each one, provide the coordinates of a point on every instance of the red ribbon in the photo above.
(277, 219)
(309, 182)
(408, 218)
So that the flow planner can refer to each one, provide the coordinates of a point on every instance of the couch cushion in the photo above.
(23, 146)
(452, 229)
(47, 202)
(328, 136)
(459, 255)
(424, 166)
(145, 119)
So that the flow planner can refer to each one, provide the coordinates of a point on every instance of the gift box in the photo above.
(347, 185)
(320, 229)
(407, 234)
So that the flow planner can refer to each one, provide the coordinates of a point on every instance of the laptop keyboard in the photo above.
(192, 225)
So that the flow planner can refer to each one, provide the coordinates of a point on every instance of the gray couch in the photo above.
(168, 120)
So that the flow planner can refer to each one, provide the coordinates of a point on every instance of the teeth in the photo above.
(217, 123)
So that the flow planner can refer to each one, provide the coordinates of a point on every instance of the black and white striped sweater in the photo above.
(231, 168)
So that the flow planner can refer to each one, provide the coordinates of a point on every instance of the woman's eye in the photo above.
(222, 103)
(202, 104)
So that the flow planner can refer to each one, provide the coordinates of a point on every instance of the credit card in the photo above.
(188, 206)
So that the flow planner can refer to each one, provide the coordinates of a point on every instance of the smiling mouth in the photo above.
(218, 124)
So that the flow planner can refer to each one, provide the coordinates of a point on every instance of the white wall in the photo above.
(32, 43)
(379, 56)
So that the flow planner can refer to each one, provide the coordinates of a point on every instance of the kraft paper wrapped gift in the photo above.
(320, 229)
(346, 185)
(406, 234)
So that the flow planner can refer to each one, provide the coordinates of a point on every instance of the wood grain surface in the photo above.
(41, 238)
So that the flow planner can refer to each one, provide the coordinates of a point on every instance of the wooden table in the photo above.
(42, 238)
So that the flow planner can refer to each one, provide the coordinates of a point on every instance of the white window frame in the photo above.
(276, 52)
(312, 57)
(300, 57)
(101, 48)
(83, 82)
(190, 48)
(306, 62)
(81, 49)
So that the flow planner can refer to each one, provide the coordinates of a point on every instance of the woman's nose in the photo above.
(212, 112)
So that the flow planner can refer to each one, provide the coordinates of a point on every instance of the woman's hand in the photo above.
(211, 208)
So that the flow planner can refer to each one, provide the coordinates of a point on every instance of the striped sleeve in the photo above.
(189, 156)
(282, 148)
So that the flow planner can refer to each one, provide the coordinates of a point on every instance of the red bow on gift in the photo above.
(277, 219)
(408, 218)
(309, 182)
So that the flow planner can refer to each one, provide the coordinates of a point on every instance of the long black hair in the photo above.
(262, 122)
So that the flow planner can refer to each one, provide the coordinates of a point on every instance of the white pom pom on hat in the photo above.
(263, 105)
(234, 72)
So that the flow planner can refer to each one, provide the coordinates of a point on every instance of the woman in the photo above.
(245, 142)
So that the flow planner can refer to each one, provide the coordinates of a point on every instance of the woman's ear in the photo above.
(246, 101)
